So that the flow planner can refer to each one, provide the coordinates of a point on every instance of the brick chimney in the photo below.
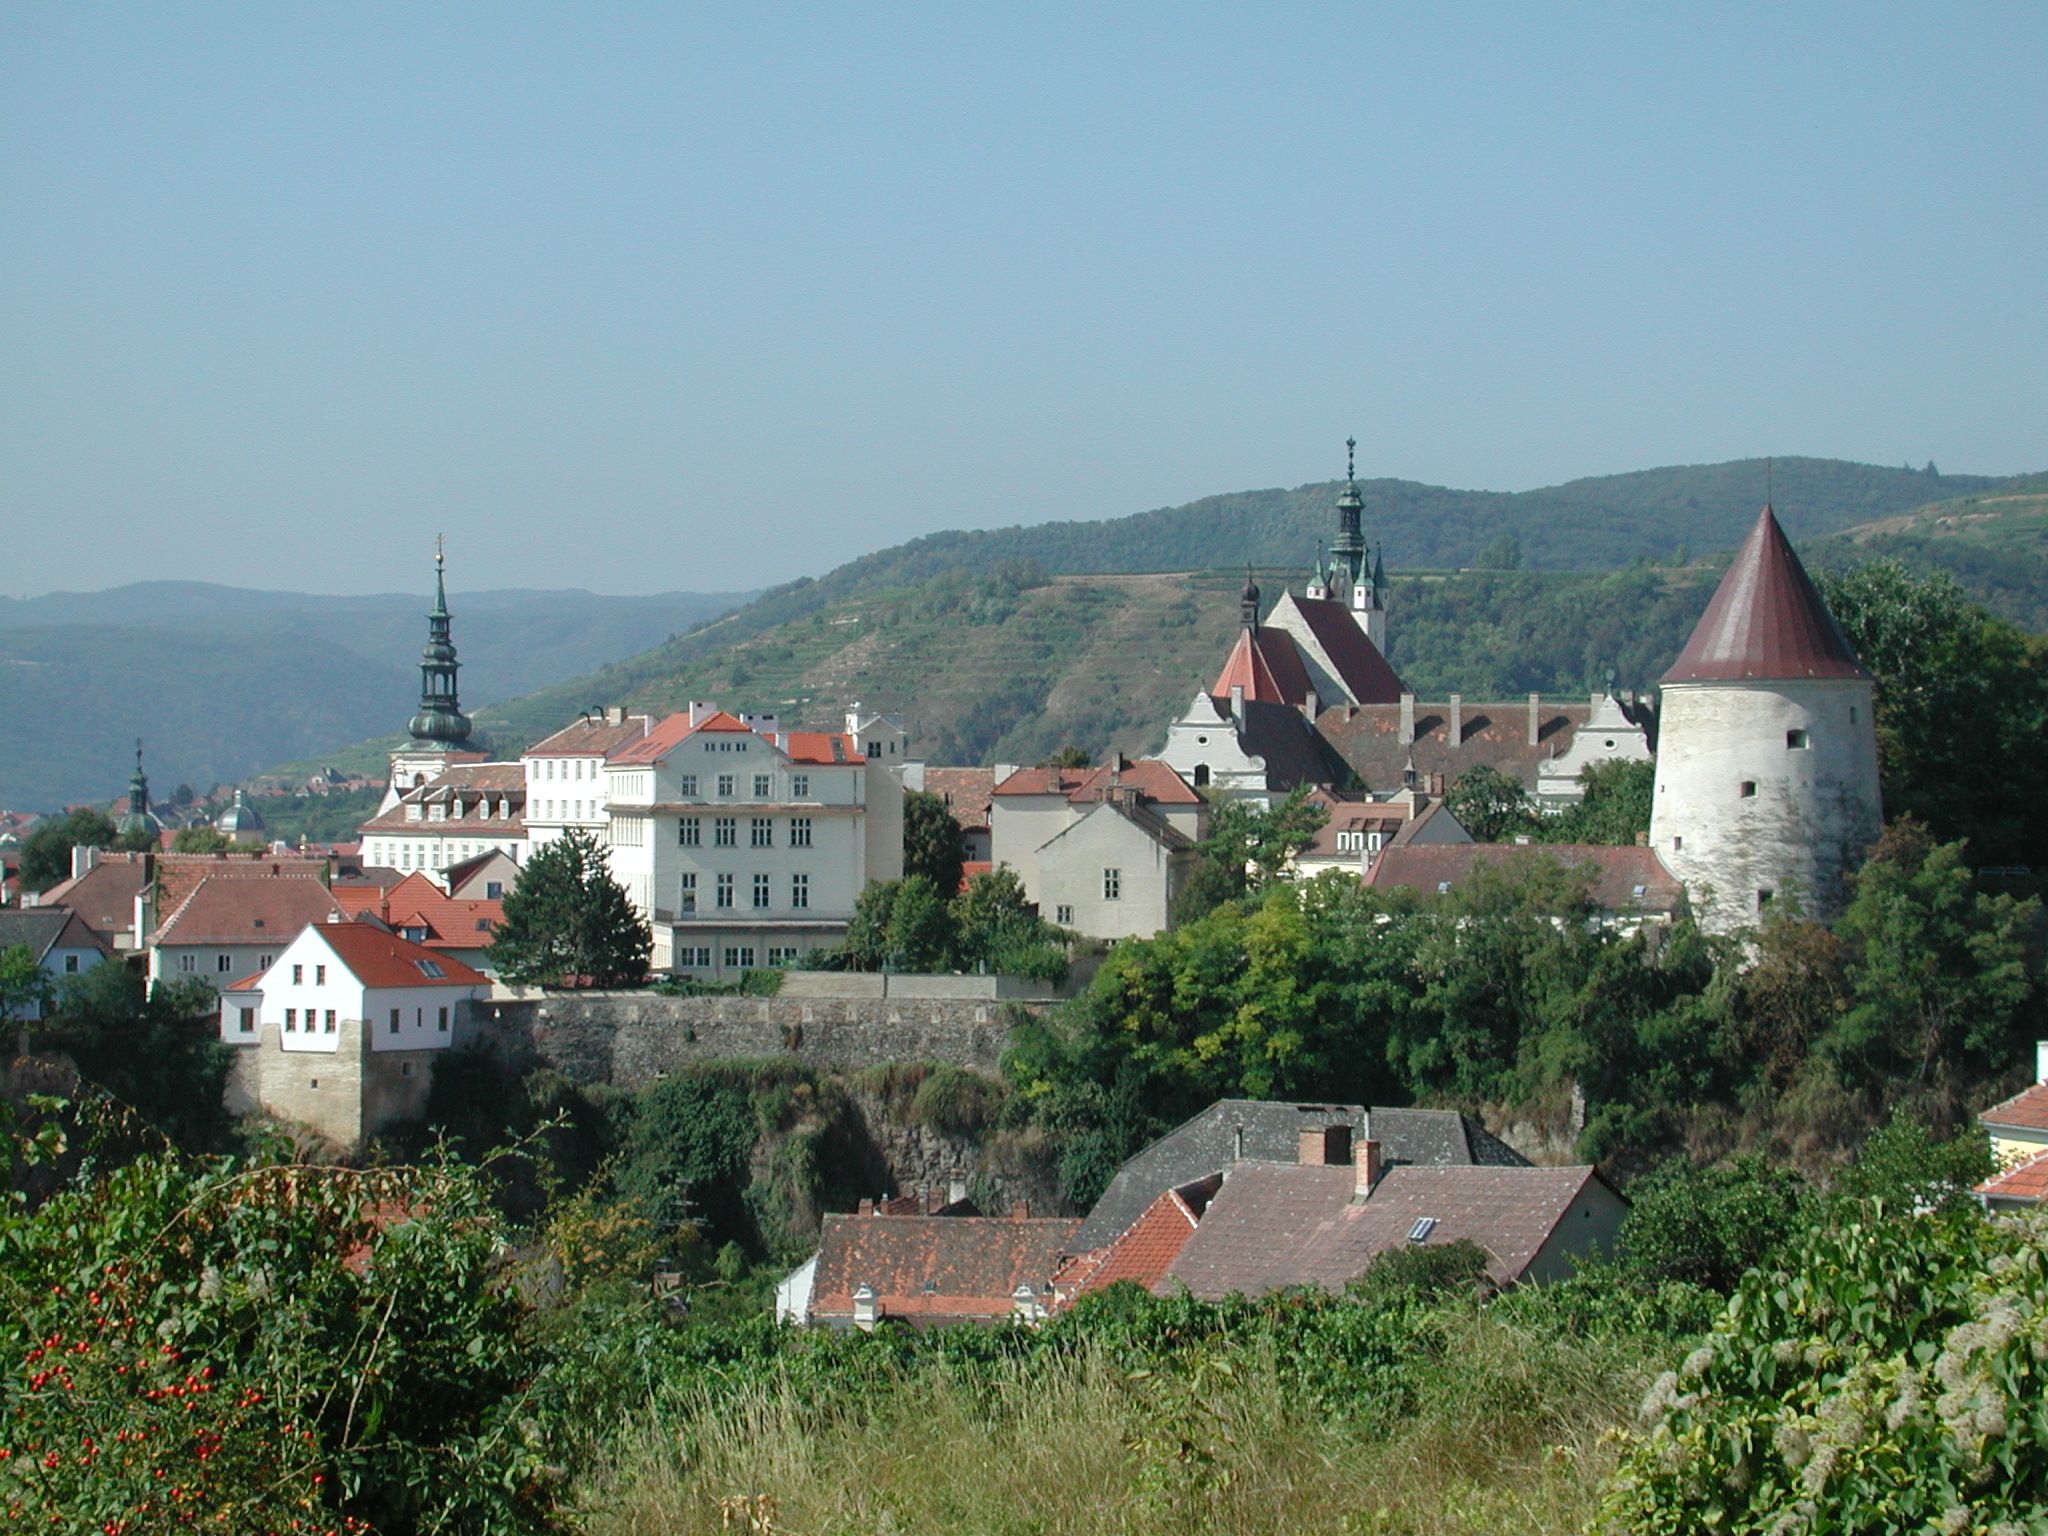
(1535, 718)
(1407, 719)
(1368, 1168)
(1457, 732)
(1325, 1146)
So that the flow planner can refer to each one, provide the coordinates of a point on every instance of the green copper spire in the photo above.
(137, 818)
(1347, 550)
(440, 719)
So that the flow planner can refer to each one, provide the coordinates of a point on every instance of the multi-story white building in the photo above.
(745, 845)
(471, 809)
(565, 781)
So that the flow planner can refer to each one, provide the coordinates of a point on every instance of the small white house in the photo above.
(339, 1034)
(60, 942)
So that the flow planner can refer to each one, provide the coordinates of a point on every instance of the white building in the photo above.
(565, 780)
(1767, 781)
(471, 809)
(339, 1035)
(58, 940)
(230, 928)
(1103, 850)
(746, 845)
(1608, 735)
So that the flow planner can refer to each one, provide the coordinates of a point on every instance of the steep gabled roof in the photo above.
(1265, 664)
(1359, 665)
(1495, 735)
(1153, 780)
(1765, 621)
(416, 902)
(1145, 1251)
(42, 929)
(379, 959)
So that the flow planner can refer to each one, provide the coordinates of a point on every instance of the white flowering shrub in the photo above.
(1890, 1379)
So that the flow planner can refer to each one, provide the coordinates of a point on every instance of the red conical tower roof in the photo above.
(1265, 664)
(1766, 621)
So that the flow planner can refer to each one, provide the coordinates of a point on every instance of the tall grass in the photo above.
(1504, 1435)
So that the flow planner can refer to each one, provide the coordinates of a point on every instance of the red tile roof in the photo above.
(2026, 1110)
(1618, 873)
(179, 874)
(1145, 1251)
(2022, 1184)
(1150, 777)
(416, 902)
(1495, 735)
(232, 911)
(822, 747)
(1041, 781)
(966, 792)
(104, 896)
(379, 959)
(1765, 620)
(1265, 664)
(935, 1268)
(1359, 665)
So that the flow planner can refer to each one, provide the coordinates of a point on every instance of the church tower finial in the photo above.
(440, 719)
(1347, 550)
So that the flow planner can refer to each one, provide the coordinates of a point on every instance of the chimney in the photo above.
(1368, 1168)
(700, 711)
(956, 1191)
(2041, 1061)
(1021, 1211)
(866, 1208)
(866, 1309)
(83, 860)
(1237, 702)
(615, 714)
(1535, 718)
(1326, 1146)
(1457, 735)
(1407, 719)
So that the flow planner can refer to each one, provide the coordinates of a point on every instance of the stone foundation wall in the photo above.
(631, 1039)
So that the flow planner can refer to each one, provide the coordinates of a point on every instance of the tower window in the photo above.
(1795, 741)
(1749, 789)
(1678, 845)
(1852, 714)
(1763, 899)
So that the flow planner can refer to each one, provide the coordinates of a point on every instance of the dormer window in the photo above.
(431, 969)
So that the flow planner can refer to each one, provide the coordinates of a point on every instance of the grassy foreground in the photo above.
(1504, 1431)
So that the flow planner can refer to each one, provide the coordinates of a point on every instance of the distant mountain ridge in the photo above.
(961, 631)
(221, 681)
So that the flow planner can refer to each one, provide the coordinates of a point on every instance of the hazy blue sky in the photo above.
(668, 296)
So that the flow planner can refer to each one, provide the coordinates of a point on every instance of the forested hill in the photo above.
(987, 656)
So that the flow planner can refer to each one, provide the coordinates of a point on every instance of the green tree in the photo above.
(25, 988)
(569, 923)
(1245, 847)
(687, 1152)
(152, 1048)
(1068, 757)
(1708, 1226)
(201, 839)
(1490, 805)
(866, 945)
(1615, 810)
(920, 932)
(46, 856)
(931, 841)
(1001, 932)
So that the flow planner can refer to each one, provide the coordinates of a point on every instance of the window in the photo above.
(1202, 773)
(1749, 789)
(782, 956)
(725, 831)
(291, 1018)
(248, 1021)
(725, 893)
(431, 969)
(687, 900)
(1350, 842)
(394, 1021)
(763, 786)
(762, 832)
(444, 1021)
(799, 831)
(298, 975)
(494, 890)
(725, 786)
(1795, 741)
(696, 957)
(327, 1023)
(71, 965)
(800, 891)
(760, 892)
(223, 963)
(1063, 915)
(405, 1069)
(690, 832)
(1424, 1225)
(1112, 884)
(799, 786)
(188, 962)
(1678, 845)
(687, 784)
(739, 957)
(1763, 899)
(319, 975)
(1374, 841)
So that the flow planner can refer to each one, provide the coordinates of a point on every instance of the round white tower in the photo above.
(1766, 748)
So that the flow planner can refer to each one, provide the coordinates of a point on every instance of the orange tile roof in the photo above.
(664, 736)
(379, 959)
(1149, 776)
(2023, 1183)
(417, 902)
(935, 1267)
(179, 874)
(1145, 1251)
(822, 747)
(2026, 1110)
(1266, 666)
(965, 791)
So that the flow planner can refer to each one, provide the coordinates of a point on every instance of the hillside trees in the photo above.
(569, 923)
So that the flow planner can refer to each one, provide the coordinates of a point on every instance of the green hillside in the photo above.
(1996, 545)
(987, 655)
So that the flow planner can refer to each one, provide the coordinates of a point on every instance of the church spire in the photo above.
(137, 818)
(440, 719)
(1248, 602)
(1347, 550)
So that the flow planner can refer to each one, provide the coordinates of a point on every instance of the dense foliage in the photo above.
(46, 855)
(911, 925)
(569, 923)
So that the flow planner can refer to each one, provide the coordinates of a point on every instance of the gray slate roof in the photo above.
(1210, 1143)
(42, 929)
